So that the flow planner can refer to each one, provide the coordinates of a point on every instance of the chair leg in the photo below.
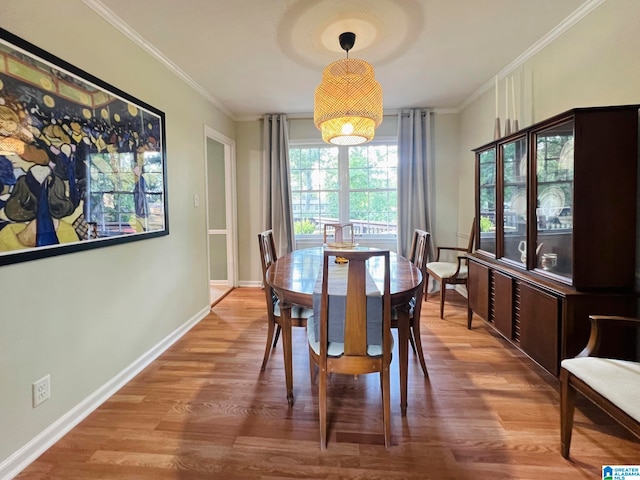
(416, 341)
(567, 406)
(413, 343)
(313, 368)
(443, 291)
(386, 405)
(270, 328)
(426, 287)
(322, 407)
(275, 339)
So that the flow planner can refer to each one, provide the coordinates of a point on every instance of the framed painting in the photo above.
(82, 164)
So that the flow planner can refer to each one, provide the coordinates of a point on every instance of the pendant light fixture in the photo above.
(348, 101)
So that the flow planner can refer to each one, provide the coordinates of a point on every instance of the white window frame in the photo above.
(385, 241)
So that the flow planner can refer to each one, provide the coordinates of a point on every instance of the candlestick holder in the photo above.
(507, 127)
(496, 129)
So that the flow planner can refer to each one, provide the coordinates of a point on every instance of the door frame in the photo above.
(230, 201)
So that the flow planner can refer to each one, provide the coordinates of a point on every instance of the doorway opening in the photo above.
(221, 214)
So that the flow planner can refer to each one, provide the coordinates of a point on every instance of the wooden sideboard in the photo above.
(547, 320)
(556, 231)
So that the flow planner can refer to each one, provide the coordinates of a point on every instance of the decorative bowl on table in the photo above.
(341, 246)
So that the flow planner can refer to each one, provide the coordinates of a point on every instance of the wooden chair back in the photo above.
(355, 328)
(341, 232)
(268, 256)
(354, 359)
(418, 255)
(472, 237)
(268, 253)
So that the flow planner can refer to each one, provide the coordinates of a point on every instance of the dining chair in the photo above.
(299, 315)
(341, 232)
(450, 272)
(418, 256)
(350, 331)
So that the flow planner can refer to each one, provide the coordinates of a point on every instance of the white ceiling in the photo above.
(252, 57)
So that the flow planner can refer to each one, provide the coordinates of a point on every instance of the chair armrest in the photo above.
(457, 262)
(597, 325)
(459, 249)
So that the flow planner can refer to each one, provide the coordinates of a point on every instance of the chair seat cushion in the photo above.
(296, 311)
(616, 380)
(446, 269)
(336, 348)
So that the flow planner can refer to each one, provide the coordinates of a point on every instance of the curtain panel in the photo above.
(415, 177)
(277, 214)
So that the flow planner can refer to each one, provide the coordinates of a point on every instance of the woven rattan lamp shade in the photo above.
(348, 103)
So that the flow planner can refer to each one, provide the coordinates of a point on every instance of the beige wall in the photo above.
(85, 317)
(593, 63)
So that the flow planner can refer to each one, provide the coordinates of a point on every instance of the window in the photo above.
(122, 197)
(356, 184)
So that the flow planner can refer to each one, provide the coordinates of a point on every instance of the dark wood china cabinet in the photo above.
(556, 231)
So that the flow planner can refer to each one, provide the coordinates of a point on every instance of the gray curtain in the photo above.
(275, 177)
(415, 175)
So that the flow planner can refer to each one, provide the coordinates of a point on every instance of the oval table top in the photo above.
(296, 274)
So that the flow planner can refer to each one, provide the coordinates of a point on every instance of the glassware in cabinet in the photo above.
(514, 199)
(554, 200)
(487, 201)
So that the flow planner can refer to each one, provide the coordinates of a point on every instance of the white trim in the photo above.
(25, 455)
(551, 36)
(231, 229)
(462, 290)
(136, 38)
(529, 53)
(250, 284)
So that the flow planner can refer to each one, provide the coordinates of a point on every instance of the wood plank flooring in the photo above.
(204, 410)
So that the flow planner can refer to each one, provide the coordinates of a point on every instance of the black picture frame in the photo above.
(82, 163)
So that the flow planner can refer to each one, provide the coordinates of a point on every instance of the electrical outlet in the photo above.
(196, 201)
(41, 390)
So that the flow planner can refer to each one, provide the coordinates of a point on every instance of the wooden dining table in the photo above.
(293, 277)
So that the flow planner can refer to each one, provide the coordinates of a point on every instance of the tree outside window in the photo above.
(356, 184)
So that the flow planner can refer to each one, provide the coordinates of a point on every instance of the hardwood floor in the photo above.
(203, 410)
(217, 293)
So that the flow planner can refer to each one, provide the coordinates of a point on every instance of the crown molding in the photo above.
(134, 36)
(549, 38)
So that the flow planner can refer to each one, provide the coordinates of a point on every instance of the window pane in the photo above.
(368, 196)
(373, 184)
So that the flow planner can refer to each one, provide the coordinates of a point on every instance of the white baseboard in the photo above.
(24, 456)
(462, 290)
(250, 283)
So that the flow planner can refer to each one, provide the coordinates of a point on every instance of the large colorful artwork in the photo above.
(82, 164)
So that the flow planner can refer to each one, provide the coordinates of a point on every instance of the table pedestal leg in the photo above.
(403, 351)
(285, 315)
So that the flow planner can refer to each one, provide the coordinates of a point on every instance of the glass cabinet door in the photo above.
(487, 200)
(554, 201)
(514, 184)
